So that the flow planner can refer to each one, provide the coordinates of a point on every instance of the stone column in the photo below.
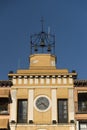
(77, 125)
(30, 104)
(71, 104)
(54, 105)
(13, 109)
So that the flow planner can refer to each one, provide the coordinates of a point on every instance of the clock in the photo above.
(42, 103)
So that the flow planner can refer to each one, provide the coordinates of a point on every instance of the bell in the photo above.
(42, 44)
(49, 48)
(35, 48)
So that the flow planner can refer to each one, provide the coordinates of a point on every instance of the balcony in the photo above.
(4, 110)
(4, 106)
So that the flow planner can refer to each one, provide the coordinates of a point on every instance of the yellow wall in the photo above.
(22, 93)
(41, 60)
(42, 117)
(62, 93)
(61, 80)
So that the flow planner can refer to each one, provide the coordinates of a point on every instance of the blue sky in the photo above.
(67, 19)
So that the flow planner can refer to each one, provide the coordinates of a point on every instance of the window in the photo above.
(3, 106)
(62, 107)
(82, 102)
(22, 111)
(83, 125)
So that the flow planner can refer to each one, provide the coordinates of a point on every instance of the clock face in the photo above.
(42, 103)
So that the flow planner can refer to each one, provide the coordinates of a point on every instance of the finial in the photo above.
(42, 21)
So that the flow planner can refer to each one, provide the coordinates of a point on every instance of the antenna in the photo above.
(48, 30)
(42, 21)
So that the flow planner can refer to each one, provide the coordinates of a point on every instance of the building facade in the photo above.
(80, 98)
(5, 101)
(42, 95)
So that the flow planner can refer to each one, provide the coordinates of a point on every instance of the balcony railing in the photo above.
(81, 107)
(4, 112)
(4, 109)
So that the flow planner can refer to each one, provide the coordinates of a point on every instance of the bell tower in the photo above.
(42, 50)
(42, 95)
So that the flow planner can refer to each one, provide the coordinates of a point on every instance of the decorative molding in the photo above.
(31, 80)
(47, 80)
(36, 76)
(25, 80)
(70, 76)
(14, 80)
(25, 77)
(65, 76)
(53, 80)
(59, 80)
(59, 76)
(19, 77)
(42, 80)
(36, 80)
(14, 77)
(44, 87)
(42, 76)
(47, 76)
(19, 81)
(64, 80)
(31, 76)
(70, 80)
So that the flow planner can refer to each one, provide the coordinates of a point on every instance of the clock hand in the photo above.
(44, 104)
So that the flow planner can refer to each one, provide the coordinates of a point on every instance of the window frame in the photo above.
(60, 110)
(22, 118)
